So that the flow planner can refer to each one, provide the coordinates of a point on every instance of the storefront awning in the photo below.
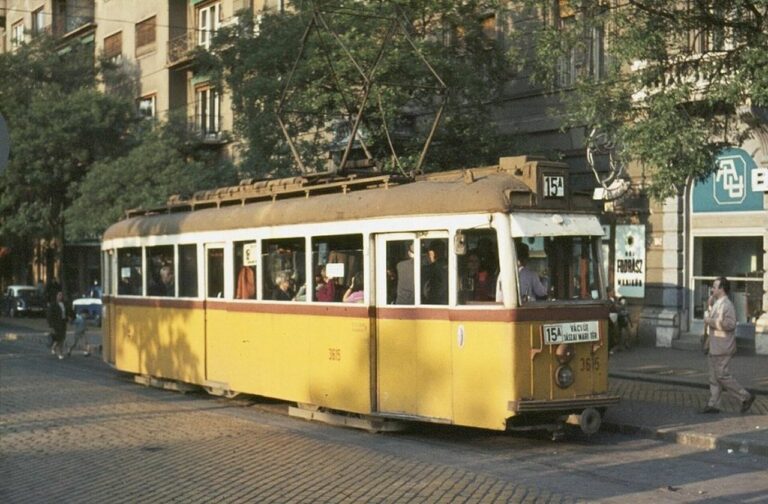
(540, 224)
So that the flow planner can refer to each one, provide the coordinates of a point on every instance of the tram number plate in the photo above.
(570, 332)
(554, 187)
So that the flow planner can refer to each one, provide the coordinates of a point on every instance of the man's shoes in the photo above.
(747, 403)
(709, 410)
(61, 356)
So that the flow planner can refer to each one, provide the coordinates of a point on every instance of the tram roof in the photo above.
(488, 189)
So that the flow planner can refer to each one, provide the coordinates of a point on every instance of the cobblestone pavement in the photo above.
(678, 395)
(77, 431)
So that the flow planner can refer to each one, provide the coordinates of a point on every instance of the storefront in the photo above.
(728, 223)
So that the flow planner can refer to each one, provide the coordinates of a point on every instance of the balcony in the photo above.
(208, 134)
(68, 25)
(180, 49)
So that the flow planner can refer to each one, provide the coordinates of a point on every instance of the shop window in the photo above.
(245, 257)
(738, 258)
(113, 47)
(478, 267)
(146, 36)
(131, 271)
(188, 270)
(160, 263)
(337, 262)
(283, 269)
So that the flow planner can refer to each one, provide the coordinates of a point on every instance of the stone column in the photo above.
(661, 318)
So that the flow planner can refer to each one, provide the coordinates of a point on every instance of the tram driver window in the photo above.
(129, 268)
(283, 269)
(162, 275)
(245, 270)
(337, 262)
(566, 267)
(478, 268)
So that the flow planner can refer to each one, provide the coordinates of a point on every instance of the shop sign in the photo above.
(629, 266)
(736, 186)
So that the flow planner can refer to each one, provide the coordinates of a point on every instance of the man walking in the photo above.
(720, 320)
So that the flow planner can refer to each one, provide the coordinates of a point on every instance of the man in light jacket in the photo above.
(720, 320)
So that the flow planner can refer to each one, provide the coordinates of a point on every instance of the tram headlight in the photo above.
(564, 376)
(564, 353)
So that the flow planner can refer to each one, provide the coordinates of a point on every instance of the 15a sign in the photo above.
(554, 186)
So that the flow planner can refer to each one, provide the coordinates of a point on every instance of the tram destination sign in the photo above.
(570, 332)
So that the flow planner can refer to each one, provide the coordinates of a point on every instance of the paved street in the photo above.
(77, 431)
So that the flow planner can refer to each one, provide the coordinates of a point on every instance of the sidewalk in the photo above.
(662, 390)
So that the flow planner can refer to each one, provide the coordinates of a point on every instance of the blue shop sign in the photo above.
(735, 186)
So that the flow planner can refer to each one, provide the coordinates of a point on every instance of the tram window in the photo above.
(283, 269)
(215, 264)
(130, 269)
(566, 266)
(434, 271)
(337, 261)
(478, 269)
(245, 269)
(161, 280)
(188, 270)
(400, 272)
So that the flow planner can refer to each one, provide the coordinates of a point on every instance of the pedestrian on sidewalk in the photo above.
(57, 320)
(720, 320)
(80, 330)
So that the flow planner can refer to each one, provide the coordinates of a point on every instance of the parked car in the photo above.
(22, 300)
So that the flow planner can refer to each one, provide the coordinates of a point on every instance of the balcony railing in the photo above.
(207, 133)
(67, 24)
(180, 48)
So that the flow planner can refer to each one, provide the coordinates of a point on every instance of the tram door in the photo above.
(213, 289)
(413, 348)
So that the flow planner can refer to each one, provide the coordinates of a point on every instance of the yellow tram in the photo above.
(416, 299)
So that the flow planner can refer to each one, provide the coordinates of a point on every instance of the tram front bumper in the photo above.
(574, 404)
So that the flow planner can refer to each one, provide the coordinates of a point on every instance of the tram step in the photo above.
(362, 422)
(151, 381)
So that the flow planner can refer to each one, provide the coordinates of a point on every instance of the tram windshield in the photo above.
(557, 268)
(557, 257)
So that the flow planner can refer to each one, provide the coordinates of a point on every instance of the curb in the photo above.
(703, 441)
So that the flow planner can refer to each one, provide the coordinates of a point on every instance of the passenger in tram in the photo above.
(164, 286)
(436, 275)
(482, 283)
(405, 294)
(326, 287)
(283, 291)
(531, 286)
(355, 292)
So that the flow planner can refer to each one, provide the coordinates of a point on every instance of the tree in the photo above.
(678, 75)
(59, 125)
(393, 44)
(164, 161)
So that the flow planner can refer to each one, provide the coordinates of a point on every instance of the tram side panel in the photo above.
(311, 355)
(482, 373)
(414, 358)
(165, 342)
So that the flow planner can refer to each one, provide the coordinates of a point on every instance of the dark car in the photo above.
(22, 300)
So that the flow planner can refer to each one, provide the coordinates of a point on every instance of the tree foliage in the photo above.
(163, 162)
(676, 76)
(59, 125)
(354, 47)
